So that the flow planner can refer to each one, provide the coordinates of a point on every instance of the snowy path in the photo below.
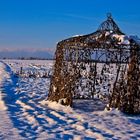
(25, 113)
(7, 130)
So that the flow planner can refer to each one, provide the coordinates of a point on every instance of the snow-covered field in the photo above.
(25, 113)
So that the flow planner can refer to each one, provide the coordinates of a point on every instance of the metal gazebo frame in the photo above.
(83, 63)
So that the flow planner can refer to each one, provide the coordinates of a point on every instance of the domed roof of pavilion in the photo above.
(107, 33)
(109, 26)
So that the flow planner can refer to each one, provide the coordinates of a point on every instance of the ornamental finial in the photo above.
(109, 15)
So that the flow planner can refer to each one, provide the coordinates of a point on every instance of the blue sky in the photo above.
(42, 23)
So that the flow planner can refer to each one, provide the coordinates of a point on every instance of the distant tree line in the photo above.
(28, 58)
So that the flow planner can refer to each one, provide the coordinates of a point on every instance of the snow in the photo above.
(7, 129)
(77, 35)
(57, 106)
(123, 39)
(26, 114)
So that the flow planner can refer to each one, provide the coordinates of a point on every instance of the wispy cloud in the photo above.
(76, 16)
(79, 16)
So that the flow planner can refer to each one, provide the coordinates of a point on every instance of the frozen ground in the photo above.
(25, 113)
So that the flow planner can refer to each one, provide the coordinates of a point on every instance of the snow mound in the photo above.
(57, 106)
(4, 75)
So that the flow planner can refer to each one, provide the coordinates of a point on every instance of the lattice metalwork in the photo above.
(104, 65)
